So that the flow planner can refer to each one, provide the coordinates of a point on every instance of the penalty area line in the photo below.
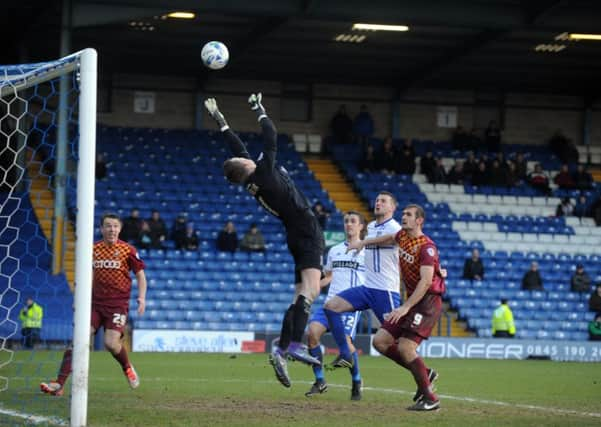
(31, 418)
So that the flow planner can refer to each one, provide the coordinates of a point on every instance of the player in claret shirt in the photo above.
(113, 260)
(411, 323)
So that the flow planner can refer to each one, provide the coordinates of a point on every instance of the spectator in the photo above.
(144, 240)
(178, 231)
(492, 137)
(470, 166)
(456, 175)
(475, 141)
(253, 240)
(321, 214)
(460, 139)
(503, 325)
(189, 242)
(132, 226)
(473, 269)
(564, 208)
(227, 239)
(521, 166)
(427, 163)
(386, 158)
(405, 162)
(480, 176)
(563, 148)
(532, 280)
(496, 175)
(500, 157)
(31, 323)
(563, 179)
(100, 166)
(594, 329)
(158, 229)
(594, 301)
(363, 126)
(511, 175)
(581, 281)
(582, 179)
(595, 211)
(439, 175)
(342, 126)
(581, 208)
(538, 179)
(368, 160)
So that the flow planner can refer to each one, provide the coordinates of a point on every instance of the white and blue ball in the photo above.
(215, 55)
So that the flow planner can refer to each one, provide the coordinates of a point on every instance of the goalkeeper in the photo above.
(273, 188)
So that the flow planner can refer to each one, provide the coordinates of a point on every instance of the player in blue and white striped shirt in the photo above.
(343, 270)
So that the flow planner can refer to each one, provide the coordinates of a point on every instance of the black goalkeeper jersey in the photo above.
(270, 184)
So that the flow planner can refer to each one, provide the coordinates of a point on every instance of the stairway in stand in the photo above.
(341, 192)
(42, 200)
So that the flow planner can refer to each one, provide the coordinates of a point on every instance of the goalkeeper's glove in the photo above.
(255, 104)
(211, 105)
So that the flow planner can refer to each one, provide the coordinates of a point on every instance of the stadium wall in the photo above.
(528, 118)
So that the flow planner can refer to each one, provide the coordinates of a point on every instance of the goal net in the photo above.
(47, 150)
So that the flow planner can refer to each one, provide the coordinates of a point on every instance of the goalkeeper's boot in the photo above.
(318, 387)
(341, 362)
(425, 405)
(52, 387)
(300, 352)
(432, 376)
(254, 101)
(277, 358)
(132, 377)
(213, 109)
(356, 390)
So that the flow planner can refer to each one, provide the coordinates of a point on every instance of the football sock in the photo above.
(355, 369)
(392, 352)
(122, 358)
(420, 375)
(301, 310)
(286, 332)
(337, 329)
(65, 369)
(317, 369)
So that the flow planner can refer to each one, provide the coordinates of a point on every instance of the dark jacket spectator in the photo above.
(253, 240)
(492, 137)
(132, 226)
(581, 208)
(439, 174)
(386, 158)
(521, 166)
(227, 239)
(480, 176)
(594, 302)
(595, 211)
(582, 179)
(100, 166)
(405, 163)
(532, 280)
(189, 241)
(473, 269)
(470, 166)
(563, 179)
(144, 239)
(581, 281)
(320, 213)
(565, 208)
(496, 175)
(342, 126)
(511, 175)
(178, 231)
(363, 125)
(475, 141)
(460, 139)
(563, 148)
(456, 175)
(427, 163)
(158, 229)
(368, 159)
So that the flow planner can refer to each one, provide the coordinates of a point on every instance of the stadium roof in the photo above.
(474, 44)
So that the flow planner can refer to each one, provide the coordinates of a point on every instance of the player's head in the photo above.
(504, 301)
(385, 205)
(238, 169)
(413, 218)
(110, 227)
(354, 225)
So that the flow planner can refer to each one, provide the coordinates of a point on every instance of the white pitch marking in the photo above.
(36, 419)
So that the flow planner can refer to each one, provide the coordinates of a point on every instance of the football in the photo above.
(215, 55)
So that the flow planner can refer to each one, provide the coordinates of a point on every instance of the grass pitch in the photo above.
(183, 389)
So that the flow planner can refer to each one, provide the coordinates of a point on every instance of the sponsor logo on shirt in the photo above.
(407, 257)
(107, 263)
(345, 264)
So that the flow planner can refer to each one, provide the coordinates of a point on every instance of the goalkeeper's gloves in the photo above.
(255, 104)
(211, 105)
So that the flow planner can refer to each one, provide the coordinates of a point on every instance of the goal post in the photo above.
(47, 172)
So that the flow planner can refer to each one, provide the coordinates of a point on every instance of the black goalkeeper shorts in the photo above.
(305, 242)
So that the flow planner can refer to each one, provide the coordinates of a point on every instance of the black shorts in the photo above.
(305, 242)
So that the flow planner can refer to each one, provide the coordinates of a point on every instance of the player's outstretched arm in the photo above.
(142, 286)
(385, 240)
(270, 133)
(213, 109)
(254, 100)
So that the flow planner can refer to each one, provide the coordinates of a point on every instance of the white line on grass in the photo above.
(35, 419)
